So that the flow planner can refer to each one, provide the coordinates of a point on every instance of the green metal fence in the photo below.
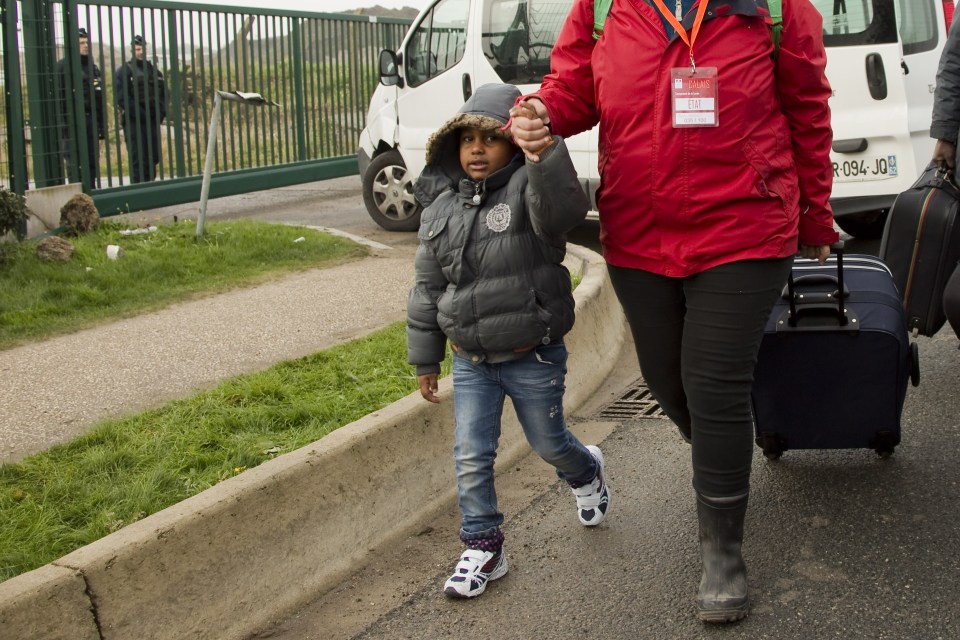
(319, 68)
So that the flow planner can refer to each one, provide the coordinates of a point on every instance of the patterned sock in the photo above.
(492, 542)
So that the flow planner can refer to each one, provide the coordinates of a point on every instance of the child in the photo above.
(489, 279)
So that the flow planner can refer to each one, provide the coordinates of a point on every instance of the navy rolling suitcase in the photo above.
(832, 370)
(921, 245)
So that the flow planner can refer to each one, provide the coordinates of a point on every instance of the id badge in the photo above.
(694, 97)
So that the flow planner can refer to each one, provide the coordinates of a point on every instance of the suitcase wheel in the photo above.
(884, 444)
(914, 364)
(771, 445)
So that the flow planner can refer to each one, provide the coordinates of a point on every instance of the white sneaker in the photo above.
(593, 498)
(475, 569)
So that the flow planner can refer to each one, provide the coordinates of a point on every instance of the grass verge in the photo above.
(40, 299)
(124, 470)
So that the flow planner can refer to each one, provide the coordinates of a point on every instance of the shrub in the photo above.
(13, 212)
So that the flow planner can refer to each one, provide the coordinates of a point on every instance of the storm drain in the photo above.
(636, 402)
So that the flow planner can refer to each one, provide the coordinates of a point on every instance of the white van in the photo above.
(882, 58)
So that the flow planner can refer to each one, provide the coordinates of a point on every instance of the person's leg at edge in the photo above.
(727, 309)
(535, 384)
(478, 405)
(951, 301)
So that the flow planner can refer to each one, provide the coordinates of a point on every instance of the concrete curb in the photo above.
(266, 542)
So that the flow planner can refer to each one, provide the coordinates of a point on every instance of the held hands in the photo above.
(528, 126)
(819, 253)
(428, 387)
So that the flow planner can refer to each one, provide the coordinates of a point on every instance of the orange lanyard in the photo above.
(689, 40)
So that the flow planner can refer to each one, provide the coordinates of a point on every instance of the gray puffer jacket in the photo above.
(489, 272)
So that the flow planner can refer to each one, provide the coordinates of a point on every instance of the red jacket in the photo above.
(679, 201)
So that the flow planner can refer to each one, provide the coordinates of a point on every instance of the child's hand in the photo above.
(528, 126)
(428, 387)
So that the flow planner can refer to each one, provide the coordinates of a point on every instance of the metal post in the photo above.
(219, 96)
(13, 105)
(176, 92)
(208, 161)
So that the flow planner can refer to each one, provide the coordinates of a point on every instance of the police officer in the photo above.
(142, 101)
(94, 108)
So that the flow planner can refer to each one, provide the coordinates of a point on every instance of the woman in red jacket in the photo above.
(715, 171)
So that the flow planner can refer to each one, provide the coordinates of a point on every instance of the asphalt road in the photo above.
(840, 544)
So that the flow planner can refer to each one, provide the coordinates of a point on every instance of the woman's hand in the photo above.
(528, 126)
(820, 253)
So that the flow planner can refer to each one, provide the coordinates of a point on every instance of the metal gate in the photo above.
(60, 127)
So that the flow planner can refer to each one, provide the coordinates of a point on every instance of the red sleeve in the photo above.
(803, 89)
(567, 91)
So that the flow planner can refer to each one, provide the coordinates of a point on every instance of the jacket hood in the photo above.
(488, 109)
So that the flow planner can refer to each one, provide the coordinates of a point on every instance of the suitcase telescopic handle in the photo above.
(838, 295)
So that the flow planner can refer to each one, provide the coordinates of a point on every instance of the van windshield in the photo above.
(858, 22)
(518, 36)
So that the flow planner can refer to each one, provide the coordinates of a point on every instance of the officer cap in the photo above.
(82, 33)
(137, 40)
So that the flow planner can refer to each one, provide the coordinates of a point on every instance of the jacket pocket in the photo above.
(431, 229)
(543, 315)
(773, 181)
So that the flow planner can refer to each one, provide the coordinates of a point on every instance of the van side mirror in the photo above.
(389, 66)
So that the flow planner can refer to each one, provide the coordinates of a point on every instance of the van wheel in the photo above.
(388, 193)
(866, 225)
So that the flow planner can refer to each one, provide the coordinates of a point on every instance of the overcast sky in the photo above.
(330, 6)
(340, 5)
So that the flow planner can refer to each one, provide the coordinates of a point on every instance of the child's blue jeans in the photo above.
(535, 384)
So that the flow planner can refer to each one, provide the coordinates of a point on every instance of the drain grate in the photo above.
(636, 402)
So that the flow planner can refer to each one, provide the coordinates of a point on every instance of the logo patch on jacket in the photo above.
(498, 218)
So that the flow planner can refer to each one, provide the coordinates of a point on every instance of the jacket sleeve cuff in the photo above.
(424, 369)
(817, 230)
(944, 131)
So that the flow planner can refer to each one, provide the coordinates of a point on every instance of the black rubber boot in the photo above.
(723, 587)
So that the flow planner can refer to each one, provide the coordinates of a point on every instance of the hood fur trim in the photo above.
(462, 121)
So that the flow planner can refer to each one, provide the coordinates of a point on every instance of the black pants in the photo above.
(143, 146)
(697, 340)
(72, 150)
(951, 301)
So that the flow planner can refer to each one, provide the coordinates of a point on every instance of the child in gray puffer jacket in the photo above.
(490, 279)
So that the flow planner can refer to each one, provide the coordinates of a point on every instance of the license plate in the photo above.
(863, 169)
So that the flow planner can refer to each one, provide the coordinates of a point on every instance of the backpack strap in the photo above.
(776, 14)
(602, 7)
(600, 10)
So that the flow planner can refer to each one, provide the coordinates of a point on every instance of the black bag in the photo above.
(834, 360)
(921, 245)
